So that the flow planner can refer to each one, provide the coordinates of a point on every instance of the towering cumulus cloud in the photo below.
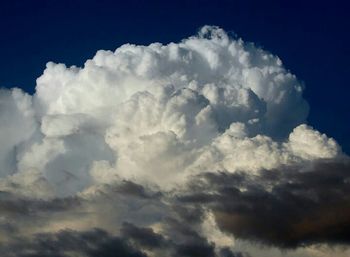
(196, 148)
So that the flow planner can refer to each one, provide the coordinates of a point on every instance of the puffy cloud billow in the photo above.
(196, 148)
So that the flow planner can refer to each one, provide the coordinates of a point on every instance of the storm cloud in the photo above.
(289, 207)
(195, 148)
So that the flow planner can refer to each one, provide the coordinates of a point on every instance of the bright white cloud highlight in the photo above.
(158, 114)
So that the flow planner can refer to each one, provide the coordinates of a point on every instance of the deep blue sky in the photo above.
(311, 37)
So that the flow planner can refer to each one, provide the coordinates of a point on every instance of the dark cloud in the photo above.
(226, 252)
(94, 243)
(11, 204)
(133, 189)
(193, 213)
(288, 207)
(185, 239)
(194, 249)
(179, 235)
(145, 237)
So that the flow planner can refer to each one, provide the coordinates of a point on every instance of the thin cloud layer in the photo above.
(187, 149)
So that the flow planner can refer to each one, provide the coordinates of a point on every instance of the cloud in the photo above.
(18, 124)
(143, 236)
(67, 243)
(289, 207)
(157, 114)
(192, 148)
(286, 208)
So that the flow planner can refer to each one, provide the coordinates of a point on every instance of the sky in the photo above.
(180, 129)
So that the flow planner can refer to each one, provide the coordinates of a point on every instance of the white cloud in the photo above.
(159, 113)
(17, 126)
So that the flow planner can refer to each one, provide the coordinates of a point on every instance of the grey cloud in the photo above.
(294, 206)
(145, 237)
(226, 252)
(132, 189)
(93, 243)
(286, 207)
(11, 204)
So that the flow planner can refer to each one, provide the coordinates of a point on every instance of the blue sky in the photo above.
(311, 38)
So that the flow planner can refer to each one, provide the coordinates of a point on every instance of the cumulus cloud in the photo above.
(181, 149)
(159, 113)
